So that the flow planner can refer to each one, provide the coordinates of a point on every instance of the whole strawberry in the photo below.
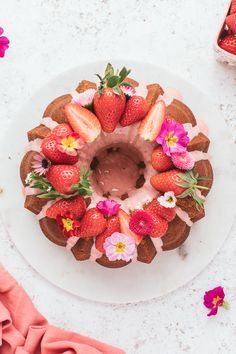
(61, 130)
(92, 224)
(135, 110)
(109, 100)
(63, 177)
(155, 208)
(160, 227)
(75, 205)
(160, 161)
(229, 44)
(50, 150)
(182, 184)
(113, 225)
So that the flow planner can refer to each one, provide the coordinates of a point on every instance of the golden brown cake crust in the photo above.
(204, 168)
(199, 142)
(26, 165)
(154, 91)
(85, 85)
(176, 234)
(39, 132)
(55, 109)
(104, 261)
(146, 250)
(181, 113)
(34, 204)
(82, 249)
(52, 231)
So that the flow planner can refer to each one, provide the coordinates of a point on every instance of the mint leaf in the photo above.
(123, 74)
(112, 81)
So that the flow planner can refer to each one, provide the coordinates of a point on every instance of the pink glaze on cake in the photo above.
(199, 155)
(203, 127)
(95, 254)
(49, 123)
(170, 94)
(30, 191)
(158, 243)
(34, 145)
(71, 242)
(42, 213)
(183, 216)
(116, 174)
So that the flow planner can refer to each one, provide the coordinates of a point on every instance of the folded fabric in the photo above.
(23, 330)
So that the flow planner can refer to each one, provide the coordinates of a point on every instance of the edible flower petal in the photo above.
(173, 137)
(213, 299)
(4, 43)
(68, 224)
(168, 200)
(108, 207)
(40, 164)
(119, 247)
(128, 90)
(70, 144)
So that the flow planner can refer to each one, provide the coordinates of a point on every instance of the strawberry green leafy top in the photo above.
(113, 79)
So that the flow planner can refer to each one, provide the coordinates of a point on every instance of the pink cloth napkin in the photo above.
(23, 330)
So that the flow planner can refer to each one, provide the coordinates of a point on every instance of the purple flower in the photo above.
(119, 247)
(108, 207)
(173, 137)
(40, 164)
(4, 43)
(215, 298)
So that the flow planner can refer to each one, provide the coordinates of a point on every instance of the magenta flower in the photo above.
(108, 207)
(215, 298)
(4, 43)
(119, 247)
(173, 137)
(40, 164)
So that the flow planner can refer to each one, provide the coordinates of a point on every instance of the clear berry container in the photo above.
(221, 54)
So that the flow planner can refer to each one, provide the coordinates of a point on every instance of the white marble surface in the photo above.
(51, 36)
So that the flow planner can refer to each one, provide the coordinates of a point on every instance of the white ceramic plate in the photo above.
(137, 281)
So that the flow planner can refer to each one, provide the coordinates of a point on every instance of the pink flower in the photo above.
(141, 222)
(215, 298)
(4, 43)
(128, 90)
(119, 247)
(173, 137)
(108, 207)
(183, 161)
(70, 143)
(40, 164)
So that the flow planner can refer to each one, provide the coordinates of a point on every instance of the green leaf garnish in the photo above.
(113, 79)
(190, 182)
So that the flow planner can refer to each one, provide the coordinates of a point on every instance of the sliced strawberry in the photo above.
(124, 225)
(92, 224)
(113, 225)
(150, 126)
(160, 161)
(83, 122)
(76, 205)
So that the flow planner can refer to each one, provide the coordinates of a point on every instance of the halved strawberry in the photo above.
(124, 226)
(83, 122)
(76, 205)
(113, 225)
(150, 126)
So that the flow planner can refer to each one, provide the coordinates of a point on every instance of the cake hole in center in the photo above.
(117, 170)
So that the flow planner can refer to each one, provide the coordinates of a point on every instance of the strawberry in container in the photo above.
(225, 44)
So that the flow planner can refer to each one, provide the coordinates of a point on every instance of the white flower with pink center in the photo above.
(168, 200)
(119, 247)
